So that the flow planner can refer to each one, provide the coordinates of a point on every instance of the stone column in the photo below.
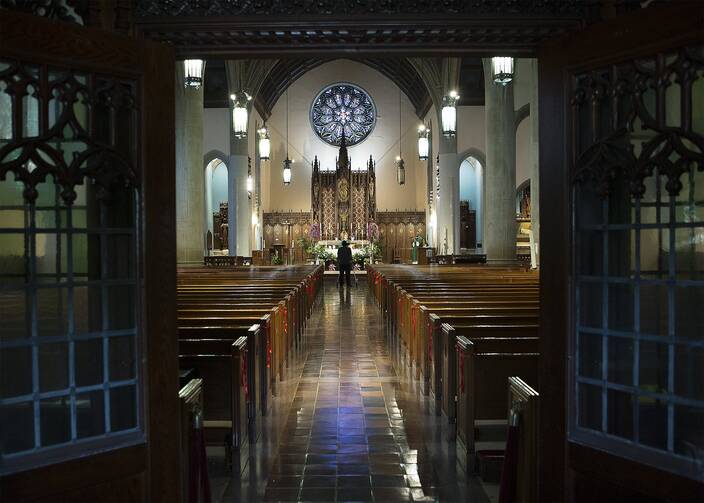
(500, 171)
(238, 208)
(190, 232)
(535, 161)
(447, 207)
(239, 213)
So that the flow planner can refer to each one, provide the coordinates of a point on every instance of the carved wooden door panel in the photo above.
(420, 230)
(622, 173)
(88, 265)
(401, 240)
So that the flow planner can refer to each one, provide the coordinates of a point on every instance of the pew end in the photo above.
(190, 418)
(523, 413)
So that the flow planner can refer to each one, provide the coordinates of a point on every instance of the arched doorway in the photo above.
(471, 212)
(216, 198)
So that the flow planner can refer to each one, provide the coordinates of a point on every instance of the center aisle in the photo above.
(355, 430)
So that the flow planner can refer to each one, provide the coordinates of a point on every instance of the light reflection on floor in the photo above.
(354, 430)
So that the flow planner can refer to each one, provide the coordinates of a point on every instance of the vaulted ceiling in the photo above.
(399, 70)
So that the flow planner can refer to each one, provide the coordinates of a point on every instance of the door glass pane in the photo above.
(69, 263)
(643, 190)
(590, 406)
(17, 427)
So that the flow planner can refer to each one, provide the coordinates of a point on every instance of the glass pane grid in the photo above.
(62, 411)
(59, 372)
(639, 326)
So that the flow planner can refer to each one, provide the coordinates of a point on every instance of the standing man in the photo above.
(344, 262)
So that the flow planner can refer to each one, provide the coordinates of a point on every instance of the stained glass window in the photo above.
(339, 107)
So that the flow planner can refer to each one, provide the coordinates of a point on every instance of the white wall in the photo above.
(523, 151)
(470, 129)
(382, 143)
(216, 130)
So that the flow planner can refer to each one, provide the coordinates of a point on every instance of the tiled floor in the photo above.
(355, 430)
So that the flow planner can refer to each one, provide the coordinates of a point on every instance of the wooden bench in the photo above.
(238, 329)
(481, 377)
(426, 308)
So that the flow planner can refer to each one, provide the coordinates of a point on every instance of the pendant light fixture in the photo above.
(193, 73)
(240, 114)
(264, 143)
(423, 142)
(287, 162)
(250, 180)
(449, 114)
(400, 167)
(437, 177)
(502, 70)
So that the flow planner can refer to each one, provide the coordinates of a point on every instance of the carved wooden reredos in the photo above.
(343, 201)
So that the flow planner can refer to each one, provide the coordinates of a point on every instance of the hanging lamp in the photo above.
(193, 73)
(287, 175)
(240, 114)
(264, 143)
(400, 166)
(250, 180)
(502, 70)
(449, 114)
(423, 142)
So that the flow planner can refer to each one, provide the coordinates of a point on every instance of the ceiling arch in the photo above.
(398, 70)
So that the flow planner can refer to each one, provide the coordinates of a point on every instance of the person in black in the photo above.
(344, 262)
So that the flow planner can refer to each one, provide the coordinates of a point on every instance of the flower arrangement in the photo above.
(314, 232)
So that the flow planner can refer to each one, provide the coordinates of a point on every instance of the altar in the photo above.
(343, 206)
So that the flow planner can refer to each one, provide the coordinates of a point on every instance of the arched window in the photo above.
(471, 203)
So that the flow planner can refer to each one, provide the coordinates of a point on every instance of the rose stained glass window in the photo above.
(341, 107)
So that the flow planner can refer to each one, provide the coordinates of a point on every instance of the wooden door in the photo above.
(621, 158)
(88, 202)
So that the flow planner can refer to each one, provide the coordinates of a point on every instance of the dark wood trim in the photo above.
(60, 478)
(411, 35)
(159, 167)
(642, 33)
(633, 477)
(554, 274)
(28, 37)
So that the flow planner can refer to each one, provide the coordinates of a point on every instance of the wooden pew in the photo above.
(523, 407)
(190, 417)
(230, 320)
(482, 378)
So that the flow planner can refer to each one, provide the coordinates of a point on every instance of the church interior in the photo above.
(352, 251)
